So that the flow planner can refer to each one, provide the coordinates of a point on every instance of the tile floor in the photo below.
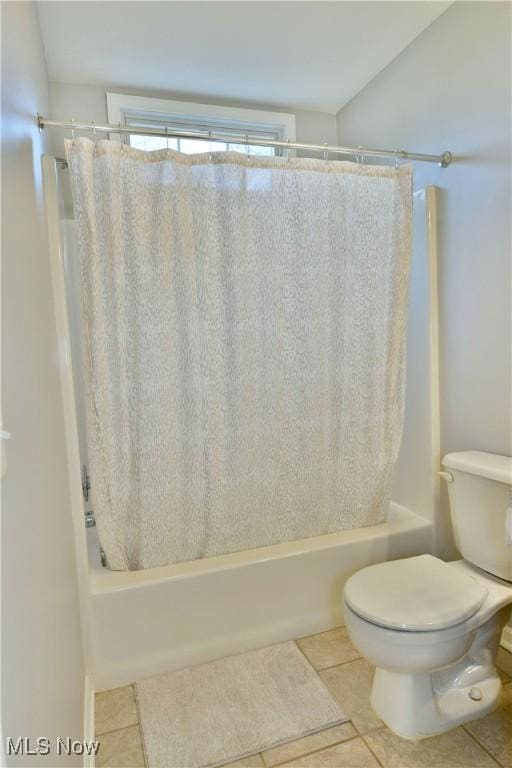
(364, 742)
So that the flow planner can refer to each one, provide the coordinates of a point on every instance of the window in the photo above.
(141, 112)
(191, 146)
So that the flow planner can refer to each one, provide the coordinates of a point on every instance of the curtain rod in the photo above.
(443, 160)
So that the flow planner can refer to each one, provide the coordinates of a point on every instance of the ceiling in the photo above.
(297, 55)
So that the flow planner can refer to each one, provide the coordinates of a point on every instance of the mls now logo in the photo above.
(24, 745)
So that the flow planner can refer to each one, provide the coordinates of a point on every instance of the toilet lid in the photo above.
(417, 594)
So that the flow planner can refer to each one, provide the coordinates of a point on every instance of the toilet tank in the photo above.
(479, 499)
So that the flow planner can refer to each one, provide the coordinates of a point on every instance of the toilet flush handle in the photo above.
(446, 476)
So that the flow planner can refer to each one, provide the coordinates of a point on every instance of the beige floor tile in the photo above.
(494, 731)
(504, 661)
(115, 709)
(121, 749)
(299, 747)
(349, 754)
(455, 749)
(254, 761)
(351, 684)
(328, 648)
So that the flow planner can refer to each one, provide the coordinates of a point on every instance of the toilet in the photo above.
(432, 629)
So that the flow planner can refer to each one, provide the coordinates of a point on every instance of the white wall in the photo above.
(450, 89)
(42, 660)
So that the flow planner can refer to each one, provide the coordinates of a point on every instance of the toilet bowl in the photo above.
(432, 629)
(430, 680)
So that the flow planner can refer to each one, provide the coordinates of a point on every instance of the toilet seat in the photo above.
(417, 594)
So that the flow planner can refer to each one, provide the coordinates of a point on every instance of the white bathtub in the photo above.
(147, 622)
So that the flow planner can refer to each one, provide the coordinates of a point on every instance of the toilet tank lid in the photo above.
(489, 465)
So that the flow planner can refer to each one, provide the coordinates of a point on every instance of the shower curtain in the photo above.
(244, 324)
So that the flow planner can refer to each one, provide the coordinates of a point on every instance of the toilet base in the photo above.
(416, 706)
(422, 704)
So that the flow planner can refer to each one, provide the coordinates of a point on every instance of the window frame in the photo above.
(205, 116)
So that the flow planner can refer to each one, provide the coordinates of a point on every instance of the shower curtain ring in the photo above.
(72, 130)
(360, 157)
(210, 156)
(248, 147)
(401, 154)
(288, 150)
(94, 130)
(326, 153)
(166, 137)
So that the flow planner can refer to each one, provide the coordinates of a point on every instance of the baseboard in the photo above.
(89, 715)
(506, 638)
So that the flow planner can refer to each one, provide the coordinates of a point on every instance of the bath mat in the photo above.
(222, 711)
